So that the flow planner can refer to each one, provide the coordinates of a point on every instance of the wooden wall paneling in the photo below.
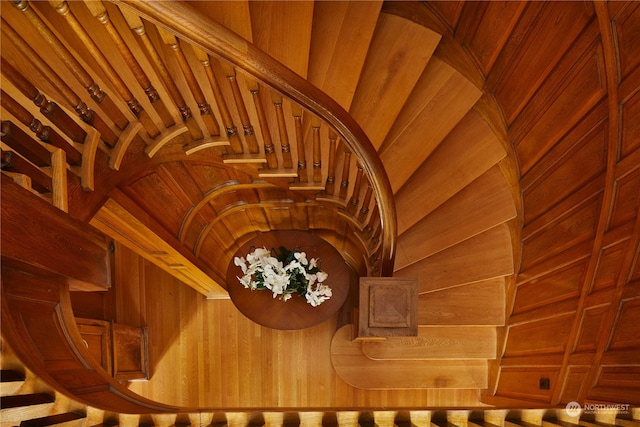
(561, 283)
(574, 383)
(442, 169)
(528, 68)
(161, 197)
(608, 269)
(524, 382)
(626, 200)
(630, 114)
(564, 230)
(591, 321)
(539, 127)
(626, 24)
(488, 28)
(448, 11)
(577, 159)
(538, 337)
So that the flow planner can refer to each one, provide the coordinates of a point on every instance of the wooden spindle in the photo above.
(317, 151)
(373, 220)
(205, 109)
(50, 109)
(249, 133)
(99, 12)
(119, 85)
(302, 161)
(352, 206)
(230, 128)
(331, 167)
(269, 149)
(18, 140)
(287, 162)
(12, 162)
(94, 90)
(364, 209)
(44, 133)
(346, 171)
(137, 26)
(71, 98)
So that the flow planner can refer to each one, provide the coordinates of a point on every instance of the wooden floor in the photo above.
(205, 353)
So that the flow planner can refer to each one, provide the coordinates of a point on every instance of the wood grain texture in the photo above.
(436, 342)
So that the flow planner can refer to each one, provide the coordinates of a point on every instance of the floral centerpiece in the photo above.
(284, 273)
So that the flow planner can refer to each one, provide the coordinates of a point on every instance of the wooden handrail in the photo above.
(219, 41)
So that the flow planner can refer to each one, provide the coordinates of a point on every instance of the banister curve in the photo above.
(219, 41)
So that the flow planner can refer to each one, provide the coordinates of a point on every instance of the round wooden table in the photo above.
(296, 313)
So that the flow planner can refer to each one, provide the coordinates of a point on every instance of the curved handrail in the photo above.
(218, 40)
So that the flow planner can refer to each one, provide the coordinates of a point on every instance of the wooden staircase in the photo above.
(448, 169)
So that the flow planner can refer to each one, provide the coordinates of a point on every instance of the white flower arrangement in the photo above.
(284, 274)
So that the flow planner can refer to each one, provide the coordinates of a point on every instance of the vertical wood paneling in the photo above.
(627, 27)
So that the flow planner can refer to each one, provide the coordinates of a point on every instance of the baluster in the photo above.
(85, 113)
(137, 26)
(355, 196)
(317, 152)
(44, 133)
(373, 220)
(346, 170)
(12, 162)
(96, 93)
(331, 169)
(269, 150)
(50, 109)
(287, 162)
(230, 128)
(19, 141)
(249, 134)
(302, 161)
(364, 209)
(120, 86)
(205, 109)
(98, 10)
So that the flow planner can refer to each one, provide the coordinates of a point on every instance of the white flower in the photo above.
(302, 257)
(267, 272)
(321, 276)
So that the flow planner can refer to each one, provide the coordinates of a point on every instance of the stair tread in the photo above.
(358, 370)
(49, 420)
(437, 342)
(10, 375)
(18, 400)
